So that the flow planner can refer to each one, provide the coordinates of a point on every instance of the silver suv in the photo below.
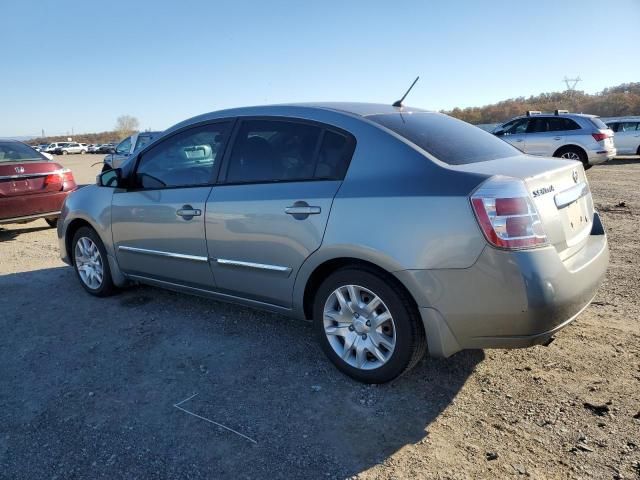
(575, 136)
(398, 231)
(627, 135)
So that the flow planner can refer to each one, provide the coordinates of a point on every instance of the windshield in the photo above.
(17, 152)
(449, 140)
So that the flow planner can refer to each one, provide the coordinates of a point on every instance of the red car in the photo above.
(31, 186)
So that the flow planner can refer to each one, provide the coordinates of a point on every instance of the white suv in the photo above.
(561, 134)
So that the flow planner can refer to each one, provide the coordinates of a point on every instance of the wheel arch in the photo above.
(570, 146)
(75, 225)
(321, 271)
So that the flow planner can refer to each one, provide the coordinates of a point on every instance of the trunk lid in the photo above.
(559, 190)
(27, 177)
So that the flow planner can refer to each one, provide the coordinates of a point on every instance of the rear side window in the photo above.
(449, 140)
(282, 151)
(553, 124)
(599, 123)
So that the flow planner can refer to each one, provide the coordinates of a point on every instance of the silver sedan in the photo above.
(396, 230)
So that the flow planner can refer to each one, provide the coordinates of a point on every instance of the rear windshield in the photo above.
(17, 152)
(449, 140)
(599, 123)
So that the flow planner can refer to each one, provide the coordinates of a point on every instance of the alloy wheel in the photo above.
(89, 262)
(571, 156)
(359, 327)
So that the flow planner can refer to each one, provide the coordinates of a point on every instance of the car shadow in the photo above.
(7, 234)
(623, 161)
(96, 380)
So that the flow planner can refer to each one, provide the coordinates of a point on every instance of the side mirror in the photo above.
(110, 178)
(498, 133)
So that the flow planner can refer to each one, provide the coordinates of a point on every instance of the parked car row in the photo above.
(66, 148)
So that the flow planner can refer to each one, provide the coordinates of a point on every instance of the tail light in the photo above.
(59, 178)
(506, 214)
(600, 136)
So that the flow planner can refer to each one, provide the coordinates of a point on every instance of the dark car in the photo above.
(31, 186)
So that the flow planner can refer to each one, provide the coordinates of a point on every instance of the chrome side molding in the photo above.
(259, 266)
(161, 253)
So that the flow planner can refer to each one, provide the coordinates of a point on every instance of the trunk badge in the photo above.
(575, 176)
(19, 169)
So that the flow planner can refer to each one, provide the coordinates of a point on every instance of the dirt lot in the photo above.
(88, 386)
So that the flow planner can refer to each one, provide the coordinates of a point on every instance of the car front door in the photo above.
(269, 211)
(158, 222)
(515, 133)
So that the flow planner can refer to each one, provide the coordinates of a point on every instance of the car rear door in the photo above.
(545, 135)
(269, 211)
(158, 223)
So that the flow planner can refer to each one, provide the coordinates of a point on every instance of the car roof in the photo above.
(357, 109)
(560, 115)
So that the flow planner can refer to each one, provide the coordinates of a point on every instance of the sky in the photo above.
(76, 65)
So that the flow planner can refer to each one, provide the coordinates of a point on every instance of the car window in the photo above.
(124, 147)
(613, 126)
(598, 123)
(518, 127)
(143, 141)
(273, 150)
(449, 140)
(627, 127)
(185, 159)
(334, 156)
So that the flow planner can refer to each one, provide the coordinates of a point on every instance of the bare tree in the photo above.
(126, 125)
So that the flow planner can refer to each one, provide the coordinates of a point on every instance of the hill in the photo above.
(611, 102)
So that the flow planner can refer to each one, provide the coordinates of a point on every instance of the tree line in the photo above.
(621, 100)
(125, 126)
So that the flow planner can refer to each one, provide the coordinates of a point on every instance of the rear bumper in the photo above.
(24, 208)
(600, 155)
(507, 299)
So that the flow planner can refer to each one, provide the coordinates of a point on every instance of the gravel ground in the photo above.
(88, 386)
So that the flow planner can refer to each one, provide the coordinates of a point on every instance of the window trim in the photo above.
(224, 168)
(161, 138)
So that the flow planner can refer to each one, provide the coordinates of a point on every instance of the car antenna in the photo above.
(398, 103)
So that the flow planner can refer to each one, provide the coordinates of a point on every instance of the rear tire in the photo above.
(89, 259)
(82, 152)
(64, 152)
(53, 222)
(574, 153)
(375, 338)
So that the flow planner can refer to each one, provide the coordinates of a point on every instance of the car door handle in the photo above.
(519, 140)
(300, 210)
(188, 212)
(557, 138)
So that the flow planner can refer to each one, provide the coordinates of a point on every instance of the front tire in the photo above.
(368, 325)
(82, 152)
(89, 259)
